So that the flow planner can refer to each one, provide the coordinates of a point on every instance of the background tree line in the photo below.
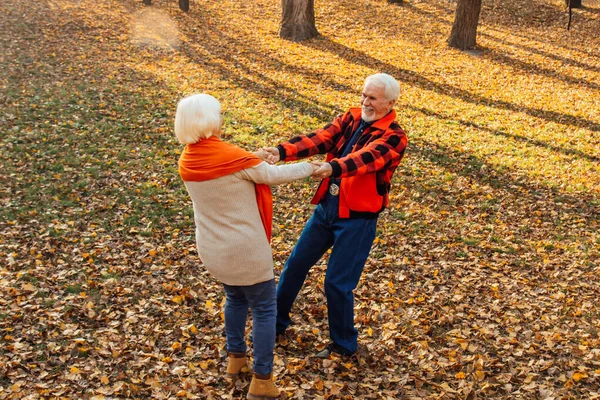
(298, 20)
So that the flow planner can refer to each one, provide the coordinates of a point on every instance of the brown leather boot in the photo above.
(236, 364)
(262, 387)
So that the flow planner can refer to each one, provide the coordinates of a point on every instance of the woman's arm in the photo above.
(276, 174)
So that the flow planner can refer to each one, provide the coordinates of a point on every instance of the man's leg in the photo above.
(353, 241)
(314, 241)
(236, 313)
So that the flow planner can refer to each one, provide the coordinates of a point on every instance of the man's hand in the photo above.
(273, 153)
(324, 170)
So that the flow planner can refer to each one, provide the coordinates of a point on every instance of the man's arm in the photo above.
(377, 155)
(318, 142)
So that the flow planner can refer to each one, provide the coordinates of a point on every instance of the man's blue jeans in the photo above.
(351, 240)
(261, 300)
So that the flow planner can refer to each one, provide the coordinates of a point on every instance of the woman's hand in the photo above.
(315, 166)
(266, 156)
(273, 153)
(323, 170)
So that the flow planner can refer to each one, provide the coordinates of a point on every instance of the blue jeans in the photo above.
(260, 298)
(351, 240)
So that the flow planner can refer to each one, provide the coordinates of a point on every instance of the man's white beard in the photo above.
(365, 117)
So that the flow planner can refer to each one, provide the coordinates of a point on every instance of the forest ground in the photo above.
(483, 280)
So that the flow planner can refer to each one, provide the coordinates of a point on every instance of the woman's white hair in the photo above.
(387, 82)
(198, 117)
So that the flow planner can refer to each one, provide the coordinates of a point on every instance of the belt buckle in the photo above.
(334, 189)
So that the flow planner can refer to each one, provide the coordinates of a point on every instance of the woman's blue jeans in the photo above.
(351, 240)
(260, 298)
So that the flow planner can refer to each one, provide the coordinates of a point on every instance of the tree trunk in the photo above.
(573, 3)
(395, 1)
(184, 5)
(298, 20)
(147, 2)
(464, 29)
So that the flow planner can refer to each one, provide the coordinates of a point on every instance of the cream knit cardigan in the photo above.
(230, 236)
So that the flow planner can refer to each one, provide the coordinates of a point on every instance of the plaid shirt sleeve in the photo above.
(381, 153)
(320, 141)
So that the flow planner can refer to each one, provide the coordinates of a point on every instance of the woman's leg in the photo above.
(264, 310)
(236, 313)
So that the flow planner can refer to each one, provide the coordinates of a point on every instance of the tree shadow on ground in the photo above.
(415, 79)
(520, 138)
(261, 84)
(564, 60)
(569, 47)
(505, 179)
(498, 56)
(247, 69)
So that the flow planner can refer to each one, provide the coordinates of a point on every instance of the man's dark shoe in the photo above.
(284, 338)
(325, 353)
(332, 348)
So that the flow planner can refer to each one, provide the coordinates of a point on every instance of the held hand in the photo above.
(273, 153)
(324, 171)
(315, 165)
(265, 156)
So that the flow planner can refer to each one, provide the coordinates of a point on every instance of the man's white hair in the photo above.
(198, 117)
(390, 86)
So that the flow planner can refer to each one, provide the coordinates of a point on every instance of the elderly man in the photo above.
(364, 146)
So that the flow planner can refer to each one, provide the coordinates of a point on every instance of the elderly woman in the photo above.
(233, 211)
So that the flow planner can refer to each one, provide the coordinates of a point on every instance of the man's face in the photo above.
(374, 104)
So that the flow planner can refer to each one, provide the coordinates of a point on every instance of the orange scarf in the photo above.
(211, 158)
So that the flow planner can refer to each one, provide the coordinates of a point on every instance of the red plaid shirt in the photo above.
(366, 172)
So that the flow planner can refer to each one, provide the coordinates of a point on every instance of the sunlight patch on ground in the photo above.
(154, 29)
